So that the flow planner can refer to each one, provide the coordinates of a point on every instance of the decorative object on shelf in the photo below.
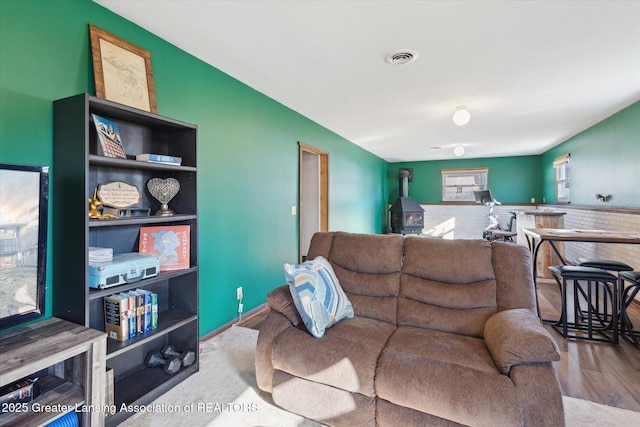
(163, 190)
(118, 194)
(604, 199)
(23, 391)
(170, 243)
(94, 204)
(124, 268)
(109, 137)
(122, 71)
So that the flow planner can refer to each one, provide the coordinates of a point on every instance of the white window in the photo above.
(562, 166)
(458, 185)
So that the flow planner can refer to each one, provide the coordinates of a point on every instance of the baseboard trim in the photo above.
(245, 319)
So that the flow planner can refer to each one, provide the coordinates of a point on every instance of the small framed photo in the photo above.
(109, 137)
(122, 71)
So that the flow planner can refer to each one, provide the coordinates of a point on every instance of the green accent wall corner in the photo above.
(604, 159)
(511, 179)
(248, 146)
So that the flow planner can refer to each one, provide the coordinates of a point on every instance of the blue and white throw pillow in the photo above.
(317, 294)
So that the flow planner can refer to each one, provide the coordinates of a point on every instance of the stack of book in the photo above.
(159, 158)
(127, 314)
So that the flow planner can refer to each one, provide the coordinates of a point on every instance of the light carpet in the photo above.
(224, 393)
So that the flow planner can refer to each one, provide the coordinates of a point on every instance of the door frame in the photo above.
(324, 189)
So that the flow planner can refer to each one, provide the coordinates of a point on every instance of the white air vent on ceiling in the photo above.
(403, 56)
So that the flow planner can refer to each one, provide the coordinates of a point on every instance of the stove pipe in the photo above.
(403, 191)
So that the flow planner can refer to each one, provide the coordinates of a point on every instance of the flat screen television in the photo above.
(24, 206)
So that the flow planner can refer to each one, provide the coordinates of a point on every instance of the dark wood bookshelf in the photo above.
(79, 168)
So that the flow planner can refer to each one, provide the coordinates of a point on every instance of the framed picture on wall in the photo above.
(122, 71)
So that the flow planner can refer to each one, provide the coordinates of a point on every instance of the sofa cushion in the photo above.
(329, 405)
(367, 253)
(344, 358)
(373, 295)
(368, 267)
(392, 415)
(517, 337)
(317, 295)
(447, 375)
(320, 244)
(447, 285)
(448, 261)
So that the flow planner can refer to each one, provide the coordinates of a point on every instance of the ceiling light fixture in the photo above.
(458, 151)
(461, 116)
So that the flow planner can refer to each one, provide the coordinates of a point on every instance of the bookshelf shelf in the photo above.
(145, 220)
(169, 320)
(80, 168)
(97, 160)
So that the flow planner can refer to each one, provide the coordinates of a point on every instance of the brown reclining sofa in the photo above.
(445, 333)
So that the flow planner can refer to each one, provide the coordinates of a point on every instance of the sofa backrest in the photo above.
(367, 267)
(448, 285)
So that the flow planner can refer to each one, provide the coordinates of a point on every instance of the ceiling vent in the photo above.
(403, 56)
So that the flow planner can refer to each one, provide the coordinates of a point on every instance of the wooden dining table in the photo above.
(537, 236)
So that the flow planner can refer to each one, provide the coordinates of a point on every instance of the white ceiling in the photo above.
(532, 73)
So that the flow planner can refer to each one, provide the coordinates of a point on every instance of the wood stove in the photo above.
(407, 216)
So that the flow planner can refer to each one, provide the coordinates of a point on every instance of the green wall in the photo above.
(248, 146)
(511, 179)
(604, 159)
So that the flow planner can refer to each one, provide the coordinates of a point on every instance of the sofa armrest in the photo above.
(280, 300)
(516, 337)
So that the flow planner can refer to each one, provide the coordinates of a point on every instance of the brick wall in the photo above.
(463, 221)
(603, 220)
(468, 222)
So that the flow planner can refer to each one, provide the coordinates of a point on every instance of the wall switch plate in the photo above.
(239, 293)
(294, 210)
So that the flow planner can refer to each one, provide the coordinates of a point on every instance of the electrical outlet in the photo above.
(239, 293)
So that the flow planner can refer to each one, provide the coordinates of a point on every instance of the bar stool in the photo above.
(590, 320)
(609, 265)
(628, 295)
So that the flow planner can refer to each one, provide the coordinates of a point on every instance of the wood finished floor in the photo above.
(604, 373)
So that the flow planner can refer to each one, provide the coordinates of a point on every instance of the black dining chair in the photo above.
(629, 293)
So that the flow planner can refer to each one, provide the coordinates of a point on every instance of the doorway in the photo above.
(313, 195)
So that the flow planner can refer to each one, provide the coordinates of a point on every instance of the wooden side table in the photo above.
(73, 358)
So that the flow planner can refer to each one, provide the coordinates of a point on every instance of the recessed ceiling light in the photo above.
(403, 56)
(458, 151)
